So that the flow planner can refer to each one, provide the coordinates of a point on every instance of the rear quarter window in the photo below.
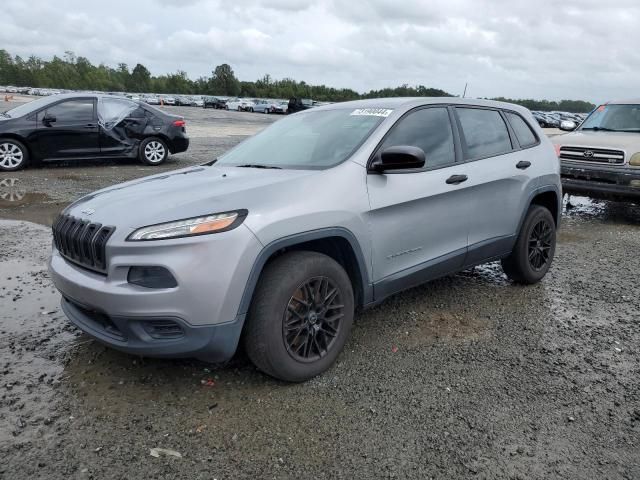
(523, 131)
(485, 132)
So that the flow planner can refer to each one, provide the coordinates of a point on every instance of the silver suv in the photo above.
(281, 239)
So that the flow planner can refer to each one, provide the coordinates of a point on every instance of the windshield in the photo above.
(308, 140)
(26, 108)
(614, 118)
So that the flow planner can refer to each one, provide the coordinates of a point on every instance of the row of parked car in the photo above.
(258, 105)
(554, 119)
(40, 92)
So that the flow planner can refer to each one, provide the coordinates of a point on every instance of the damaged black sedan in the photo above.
(82, 126)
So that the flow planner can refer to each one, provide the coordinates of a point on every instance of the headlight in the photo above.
(635, 160)
(215, 223)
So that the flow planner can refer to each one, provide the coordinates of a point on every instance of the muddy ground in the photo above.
(466, 377)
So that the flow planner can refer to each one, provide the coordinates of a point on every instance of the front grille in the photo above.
(594, 155)
(82, 242)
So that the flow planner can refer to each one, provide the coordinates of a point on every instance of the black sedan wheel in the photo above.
(153, 151)
(13, 155)
(300, 316)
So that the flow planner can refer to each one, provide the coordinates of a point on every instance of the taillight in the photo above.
(179, 123)
(557, 147)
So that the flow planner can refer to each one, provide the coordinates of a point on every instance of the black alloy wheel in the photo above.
(540, 244)
(534, 248)
(312, 320)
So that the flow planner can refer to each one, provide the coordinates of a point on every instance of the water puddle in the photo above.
(18, 202)
(33, 334)
(602, 210)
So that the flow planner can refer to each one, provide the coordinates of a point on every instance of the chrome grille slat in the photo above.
(82, 242)
(592, 155)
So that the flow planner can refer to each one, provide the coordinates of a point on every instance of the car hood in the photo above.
(627, 141)
(180, 194)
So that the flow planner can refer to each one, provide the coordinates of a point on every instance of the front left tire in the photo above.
(13, 155)
(153, 151)
(300, 316)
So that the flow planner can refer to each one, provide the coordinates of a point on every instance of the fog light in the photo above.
(635, 160)
(151, 277)
(634, 183)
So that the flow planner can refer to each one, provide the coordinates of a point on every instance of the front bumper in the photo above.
(198, 318)
(599, 181)
(148, 336)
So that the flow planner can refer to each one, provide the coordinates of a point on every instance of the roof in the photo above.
(631, 101)
(411, 102)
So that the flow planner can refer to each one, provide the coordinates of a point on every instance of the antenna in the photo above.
(465, 90)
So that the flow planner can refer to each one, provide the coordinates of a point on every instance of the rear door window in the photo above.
(112, 111)
(428, 129)
(484, 132)
(523, 131)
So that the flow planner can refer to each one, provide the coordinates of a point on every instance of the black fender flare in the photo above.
(291, 240)
(535, 193)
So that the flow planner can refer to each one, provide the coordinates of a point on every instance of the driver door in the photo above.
(418, 218)
(68, 129)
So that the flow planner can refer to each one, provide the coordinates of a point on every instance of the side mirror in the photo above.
(48, 119)
(398, 158)
(568, 125)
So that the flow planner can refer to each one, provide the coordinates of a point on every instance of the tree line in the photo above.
(574, 106)
(73, 72)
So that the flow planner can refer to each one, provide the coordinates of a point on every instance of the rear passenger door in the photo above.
(418, 220)
(122, 123)
(498, 179)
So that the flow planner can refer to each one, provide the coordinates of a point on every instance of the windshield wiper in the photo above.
(257, 165)
(209, 163)
(601, 129)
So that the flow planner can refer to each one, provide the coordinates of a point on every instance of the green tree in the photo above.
(140, 79)
(224, 81)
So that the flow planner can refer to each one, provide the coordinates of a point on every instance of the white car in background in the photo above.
(240, 104)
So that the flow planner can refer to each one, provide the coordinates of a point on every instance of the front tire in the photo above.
(13, 155)
(300, 316)
(535, 247)
(153, 151)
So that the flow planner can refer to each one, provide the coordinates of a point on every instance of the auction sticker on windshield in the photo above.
(375, 112)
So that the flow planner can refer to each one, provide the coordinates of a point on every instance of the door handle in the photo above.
(90, 125)
(456, 179)
(523, 164)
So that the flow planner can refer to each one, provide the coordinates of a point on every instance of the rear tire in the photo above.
(535, 247)
(153, 151)
(13, 155)
(300, 316)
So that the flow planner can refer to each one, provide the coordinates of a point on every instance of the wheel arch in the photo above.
(337, 243)
(549, 198)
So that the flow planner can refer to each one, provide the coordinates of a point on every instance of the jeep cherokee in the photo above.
(281, 239)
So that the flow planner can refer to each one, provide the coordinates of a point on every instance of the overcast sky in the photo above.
(579, 49)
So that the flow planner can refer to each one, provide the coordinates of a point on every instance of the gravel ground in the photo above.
(466, 377)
